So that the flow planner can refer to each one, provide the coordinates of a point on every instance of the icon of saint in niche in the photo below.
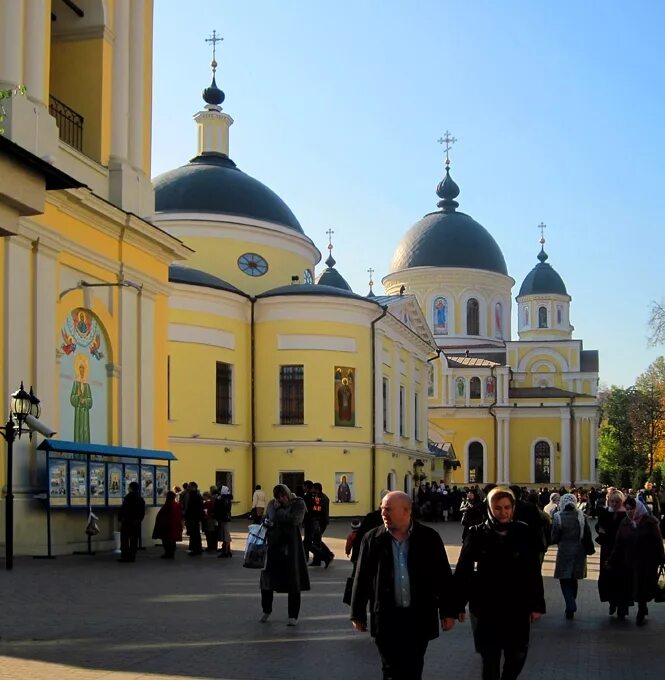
(81, 399)
(343, 491)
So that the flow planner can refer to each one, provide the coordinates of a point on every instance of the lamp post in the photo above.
(22, 404)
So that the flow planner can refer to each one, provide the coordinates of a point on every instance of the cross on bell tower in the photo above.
(214, 39)
(448, 140)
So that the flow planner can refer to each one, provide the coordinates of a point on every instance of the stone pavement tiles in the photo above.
(90, 617)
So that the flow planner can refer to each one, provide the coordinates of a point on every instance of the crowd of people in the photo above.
(401, 571)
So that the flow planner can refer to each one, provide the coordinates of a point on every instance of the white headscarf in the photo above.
(567, 500)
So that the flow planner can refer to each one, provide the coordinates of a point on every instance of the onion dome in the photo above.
(213, 95)
(330, 276)
(542, 279)
(448, 238)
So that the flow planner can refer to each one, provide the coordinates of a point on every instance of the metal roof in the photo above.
(60, 446)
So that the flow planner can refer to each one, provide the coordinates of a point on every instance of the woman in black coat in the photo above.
(473, 511)
(638, 552)
(609, 520)
(498, 574)
(286, 566)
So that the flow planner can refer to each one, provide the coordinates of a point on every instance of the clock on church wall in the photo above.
(252, 264)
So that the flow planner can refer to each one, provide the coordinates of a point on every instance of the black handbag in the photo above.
(587, 541)
(348, 589)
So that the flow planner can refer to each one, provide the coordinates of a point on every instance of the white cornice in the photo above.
(316, 308)
(203, 300)
(448, 275)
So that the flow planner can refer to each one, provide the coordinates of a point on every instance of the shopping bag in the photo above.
(348, 590)
(659, 595)
(256, 549)
(91, 528)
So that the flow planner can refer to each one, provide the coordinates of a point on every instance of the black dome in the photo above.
(449, 239)
(543, 279)
(212, 183)
(196, 277)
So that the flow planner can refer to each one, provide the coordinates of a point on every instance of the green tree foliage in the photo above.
(620, 457)
(5, 94)
(648, 412)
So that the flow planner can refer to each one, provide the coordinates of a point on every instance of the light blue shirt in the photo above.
(401, 570)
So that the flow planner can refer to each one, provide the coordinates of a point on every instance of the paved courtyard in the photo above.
(90, 617)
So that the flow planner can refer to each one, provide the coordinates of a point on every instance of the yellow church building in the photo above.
(176, 329)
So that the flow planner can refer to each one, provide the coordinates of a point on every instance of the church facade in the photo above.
(183, 317)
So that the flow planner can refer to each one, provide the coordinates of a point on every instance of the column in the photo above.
(36, 50)
(506, 451)
(578, 447)
(137, 84)
(411, 388)
(120, 100)
(498, 475)
(565, 447)
(395, 390)
(11, 41)
(451, 390)
(593, 448)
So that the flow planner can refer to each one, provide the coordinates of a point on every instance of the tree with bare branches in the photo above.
(657, 324)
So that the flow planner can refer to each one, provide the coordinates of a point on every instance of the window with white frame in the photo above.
(402, 411)
(386, 405)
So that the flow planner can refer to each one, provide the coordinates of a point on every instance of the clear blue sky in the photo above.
(559, 109)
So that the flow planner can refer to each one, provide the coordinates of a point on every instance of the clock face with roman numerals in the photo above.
(252, 264)
(307, 276)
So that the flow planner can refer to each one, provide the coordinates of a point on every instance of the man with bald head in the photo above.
(404, 575)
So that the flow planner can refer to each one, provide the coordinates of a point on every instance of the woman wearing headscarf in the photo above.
(286, 566)
(637, 553)
(473, 511)
(609, 521)
(498, 574)
(168, 525)
(569, 532)
(553, 505)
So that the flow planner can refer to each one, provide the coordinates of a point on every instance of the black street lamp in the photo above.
(22, 405)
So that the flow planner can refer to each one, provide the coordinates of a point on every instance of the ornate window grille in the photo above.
(224, 394)
(291, 395)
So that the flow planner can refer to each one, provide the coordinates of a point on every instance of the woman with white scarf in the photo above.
(638, 551)
(569, 531)
(553, 505)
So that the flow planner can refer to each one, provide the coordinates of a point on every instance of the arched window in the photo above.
(440, 316)
(476, 472)
(391, 481)
(474, 388)
(498, 320)
(472, 317)
(542, 317)
(408, 484)
(541, 463)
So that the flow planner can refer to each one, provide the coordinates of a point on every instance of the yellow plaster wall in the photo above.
(319, 463)
(523, 432)
(193, 388)
(319, 382)
(160, 396)
(80, 79)
(220, 258)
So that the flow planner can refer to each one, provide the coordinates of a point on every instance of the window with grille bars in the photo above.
(416, 423)
(402, 411)
(472, 317)
(542, 317)
(474, 388)
(542, 463)
(291, 395)
(224, 394)
(386, 405)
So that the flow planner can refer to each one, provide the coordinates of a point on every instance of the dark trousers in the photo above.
(569, 591)
(169, 548)
(401, 647)
(318, 548)
(514, 660)
(194, 531)
(293, 606)
(129, 542)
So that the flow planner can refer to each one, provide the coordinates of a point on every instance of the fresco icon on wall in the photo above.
(83, 383)
(345, 406)
(440, 316)
(344, 487)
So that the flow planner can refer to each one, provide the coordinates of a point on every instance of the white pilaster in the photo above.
(411, 388)
(120, 99)
(593, 448)
(127, 394)
(378, 386)
(450, 396)
(146, 367)
(506, 451)
(137, 84)
(565, 447)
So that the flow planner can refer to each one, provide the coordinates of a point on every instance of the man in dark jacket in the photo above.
(193, 519)
(319, 517)
(404, 574)
(132, 513)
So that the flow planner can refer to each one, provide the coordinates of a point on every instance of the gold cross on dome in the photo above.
(370, 271)
(448, 140)
(542, 226)
(330, 232)
(214, 39)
